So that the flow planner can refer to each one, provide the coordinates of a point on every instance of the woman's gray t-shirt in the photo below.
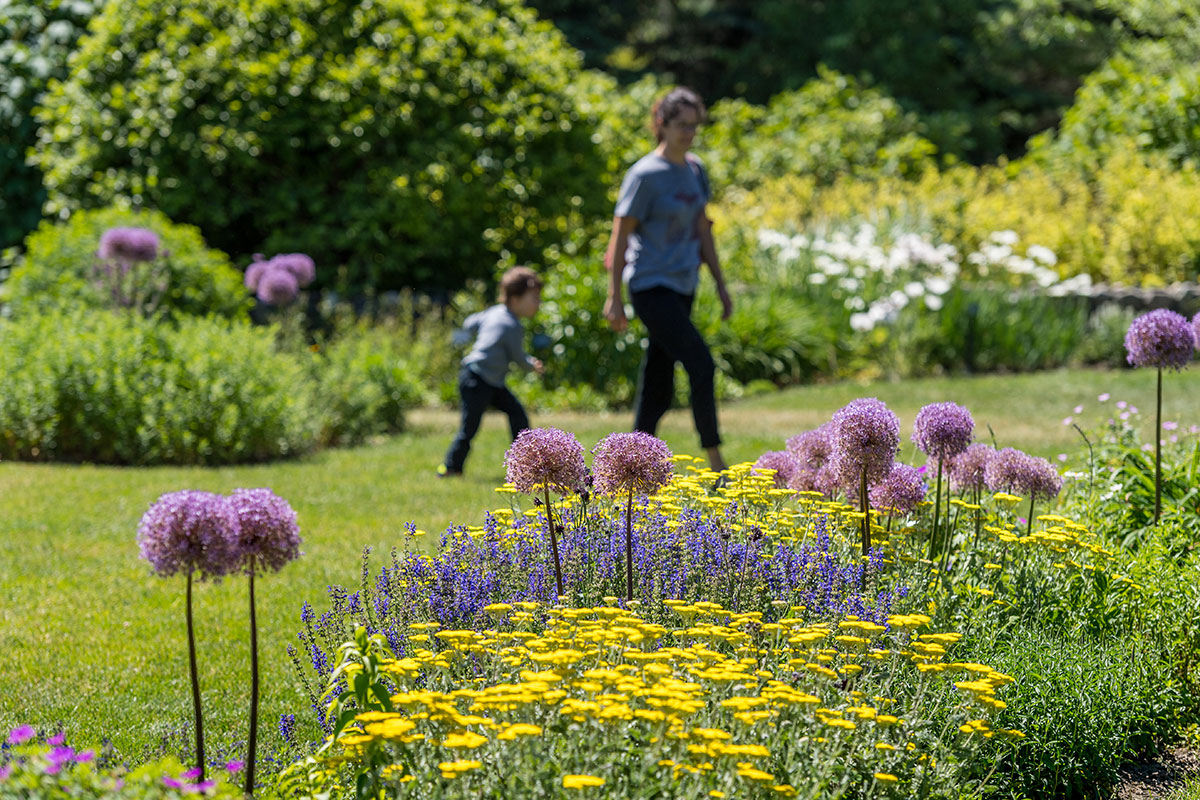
(667, 200)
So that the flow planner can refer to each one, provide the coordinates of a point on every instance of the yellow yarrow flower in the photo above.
(581, 781)
(464, 739)
(886, 777)
(512, 732)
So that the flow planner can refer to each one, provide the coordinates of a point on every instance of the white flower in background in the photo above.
(849, 284)
(1008, 238)
(861, 322)
(1045, 277)
(855, 303)
(914, 288)
(817, 278)
(859, 272)
(937, 285)
(898, 299)
(1042, 254)
(933, 302)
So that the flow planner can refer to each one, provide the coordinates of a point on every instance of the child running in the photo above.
(498, 337)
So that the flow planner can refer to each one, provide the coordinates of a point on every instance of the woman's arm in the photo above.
(708, 254)
(614, 260)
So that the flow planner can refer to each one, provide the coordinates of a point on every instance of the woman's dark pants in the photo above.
(477, 396)
(673, 338)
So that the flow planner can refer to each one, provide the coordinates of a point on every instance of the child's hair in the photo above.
(667, 108)
(517, 281)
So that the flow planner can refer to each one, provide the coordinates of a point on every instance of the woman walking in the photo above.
(660, 236)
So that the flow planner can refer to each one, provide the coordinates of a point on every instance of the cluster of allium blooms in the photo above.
(782, 462)
(128, 244)
(190, 531)
(967, 468)
(637, 462)
(900, 492)
(1160, 338)
(278, 281)
(865, 435)
(206, 533)
(267, 528)
(545, 457)
(943, 430)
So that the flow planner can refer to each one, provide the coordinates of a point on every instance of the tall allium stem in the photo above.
(1158, 451)
(195, 682)
(978, 515)
(1029, 522)
(865, 504)
(251, 751)
(937, 512)
(629, 547)
(553, 541)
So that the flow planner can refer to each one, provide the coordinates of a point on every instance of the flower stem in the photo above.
(865, 504)
(629, 548)
(253, 688)
(1158, 451)
(937, 512)
(195, 682)
(1029, 522)
(553, 542)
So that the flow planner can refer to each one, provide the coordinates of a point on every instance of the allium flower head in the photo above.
(967, 468)
(277, 287)
(190, 531)
(268, 528)
(1041, 479)
(1160, 338)
(782, 461)
(901, 491)
(943, 430)
(545, 456)
(811, 448)
(1007, 470)
(254, 273)
(129, 244)
(865, 435)
(301, 267)
(631, 461)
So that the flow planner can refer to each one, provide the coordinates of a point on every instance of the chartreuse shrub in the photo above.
(61, 267)
(89, 385)
(407, 140)
(1124, 221)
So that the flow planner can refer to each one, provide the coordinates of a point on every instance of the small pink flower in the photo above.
(20, 734)
(1170, 426)
(1062, 457)
(1078, 409)
(1133, 410)
(1104, 397)
(1068, 420)
(1124, 415)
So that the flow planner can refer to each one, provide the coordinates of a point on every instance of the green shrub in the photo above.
(409, 140)
(114, 388)
(35, 39)
(59, 267)
(366, 378)
(1104, 341)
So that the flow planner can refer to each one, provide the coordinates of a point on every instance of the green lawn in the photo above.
(89, 639)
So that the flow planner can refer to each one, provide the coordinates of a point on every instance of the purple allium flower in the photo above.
(1007, 470)
(545, 456)
(865, 435)
(129, 244)
(811, 448)
(631, 461)
(1160, 338)
(900, 491)
(943, 430)
(782, 461)
(967, 468)
(269, 531)
(20, 734)
(258, 267)
(1041, 479)
(190, 530)
(277, 287)
(302, 268)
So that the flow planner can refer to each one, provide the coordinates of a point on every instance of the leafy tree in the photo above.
(410, 142)
(35, 38)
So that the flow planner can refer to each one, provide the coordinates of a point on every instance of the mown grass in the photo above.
(91, 641)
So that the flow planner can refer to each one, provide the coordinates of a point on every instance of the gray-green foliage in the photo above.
(59, 267)
(412, 142)
(35, 39)
(93, 385)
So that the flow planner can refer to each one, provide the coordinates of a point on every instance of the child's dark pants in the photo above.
(477, 396)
